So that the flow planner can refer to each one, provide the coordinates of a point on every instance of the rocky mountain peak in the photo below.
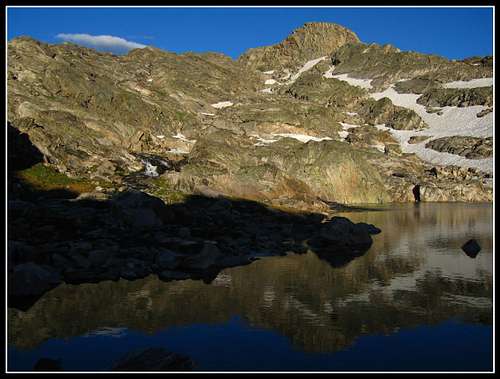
(311, 41)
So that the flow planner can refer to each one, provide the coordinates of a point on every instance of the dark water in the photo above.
(413, 302)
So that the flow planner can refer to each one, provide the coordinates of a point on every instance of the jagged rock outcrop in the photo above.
(385, 112)
(313, 40)
(457, 97)
(386, 64)
(469, 147)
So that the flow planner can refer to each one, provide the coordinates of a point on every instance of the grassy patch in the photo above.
(162, 189)
(46, 178)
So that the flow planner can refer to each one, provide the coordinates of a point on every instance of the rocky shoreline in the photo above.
(133, 235)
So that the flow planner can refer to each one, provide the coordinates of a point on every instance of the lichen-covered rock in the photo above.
(383, 111)
(468, 147)
(457, 97)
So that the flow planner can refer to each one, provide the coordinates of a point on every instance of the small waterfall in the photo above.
(150, 169)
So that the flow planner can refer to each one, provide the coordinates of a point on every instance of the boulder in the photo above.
(370, 228)
(139, 210)
(207, 257)
(135, 269)
(30, 279)
(341, 235)
(471, 248)
(167, 259)
(99, 257)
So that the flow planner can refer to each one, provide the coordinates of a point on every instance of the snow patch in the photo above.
(436, 157)
(287, 74)
(267, 90)
(329, 73)
(150, 80)
(270, 81)
(263, 141)
(183, 138)
(343, 134)
(379, 147)
(482, 82)
(208, 114)
(307, 66)
(268, 72)
(302, 137)
(178, 151)
(352, 113)
(161, 136)
(363, 83)
(222, 104)
(454, 121)
(347, 126)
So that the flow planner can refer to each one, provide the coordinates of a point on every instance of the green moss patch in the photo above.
(47, 178)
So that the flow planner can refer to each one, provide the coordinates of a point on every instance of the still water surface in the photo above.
(415, 301)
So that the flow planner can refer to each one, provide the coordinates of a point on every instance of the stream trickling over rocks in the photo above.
(414, 296)
(154, 166)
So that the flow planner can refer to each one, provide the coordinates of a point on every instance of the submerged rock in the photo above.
(153, 359)
(471, 248)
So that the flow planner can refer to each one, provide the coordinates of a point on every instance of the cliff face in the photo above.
(301, 124)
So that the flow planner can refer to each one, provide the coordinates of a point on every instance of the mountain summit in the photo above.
(318, 118)
(312, 40)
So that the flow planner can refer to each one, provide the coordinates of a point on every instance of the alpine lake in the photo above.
(413, 302)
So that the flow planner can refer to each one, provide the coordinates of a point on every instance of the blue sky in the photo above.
(451, 32)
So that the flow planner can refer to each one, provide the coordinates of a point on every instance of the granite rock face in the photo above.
(176, 124)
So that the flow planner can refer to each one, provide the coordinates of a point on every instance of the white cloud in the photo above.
(103, 43)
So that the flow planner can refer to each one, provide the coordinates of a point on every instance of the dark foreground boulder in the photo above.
(340, 240)
(139, 210)
(153, 359)
(342, 234)
(30, 279)
(471, 248)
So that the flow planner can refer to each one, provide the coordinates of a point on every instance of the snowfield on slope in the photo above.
(453, 122)
(304, 138)
(474, 83)
(363, 83)
(222, 104)
(307, 66)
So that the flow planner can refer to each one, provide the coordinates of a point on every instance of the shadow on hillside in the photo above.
(22, 154)
(132, 235)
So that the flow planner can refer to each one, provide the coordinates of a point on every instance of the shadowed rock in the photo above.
(132, 235)
(471, 248)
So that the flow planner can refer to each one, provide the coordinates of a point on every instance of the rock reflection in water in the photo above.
(414, 274)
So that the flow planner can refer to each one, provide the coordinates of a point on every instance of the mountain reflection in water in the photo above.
(415, 274)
